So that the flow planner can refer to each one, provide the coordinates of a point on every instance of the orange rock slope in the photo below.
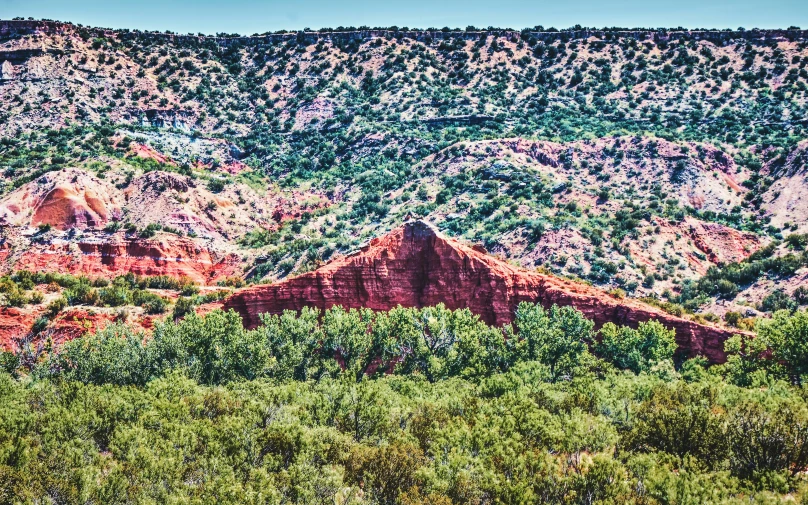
(416, 266)
(65, 199)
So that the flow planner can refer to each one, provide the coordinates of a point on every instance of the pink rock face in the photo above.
(416, 266)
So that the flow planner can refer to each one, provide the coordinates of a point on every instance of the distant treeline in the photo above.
(21, 25)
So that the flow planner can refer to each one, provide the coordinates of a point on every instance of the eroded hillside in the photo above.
(647, 163)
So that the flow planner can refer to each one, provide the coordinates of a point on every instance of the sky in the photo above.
(254, 16)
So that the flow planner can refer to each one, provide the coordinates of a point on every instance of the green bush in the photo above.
(57, 306)
(778, 300)
(682, 421)
(81, 294)
(151, 303)
(183, 306)
(15, 298)
(114, 296)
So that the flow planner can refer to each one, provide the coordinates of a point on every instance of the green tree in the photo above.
(350, 343)
(427, 341)
(479, 350)
(747, 363)
(216, 347)
(114, 355)
(293, 340)
(787, 336)
(558, 337)
(636, 350)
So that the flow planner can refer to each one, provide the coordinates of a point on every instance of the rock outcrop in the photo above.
(102, 255)
(721, 244)
(416, 266)
(64, 207)
(70, 198)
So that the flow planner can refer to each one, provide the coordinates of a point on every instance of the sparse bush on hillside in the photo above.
(778, 300)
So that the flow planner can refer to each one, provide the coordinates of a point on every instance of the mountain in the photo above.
(417, 266)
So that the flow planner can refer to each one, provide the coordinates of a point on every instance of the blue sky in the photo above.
(251, 16)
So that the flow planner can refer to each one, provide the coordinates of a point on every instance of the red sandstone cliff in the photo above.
(103, 255)
(416, 266)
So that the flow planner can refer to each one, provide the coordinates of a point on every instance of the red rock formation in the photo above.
(114, 255)
(64, 207)
(416, 266)
(721, 244)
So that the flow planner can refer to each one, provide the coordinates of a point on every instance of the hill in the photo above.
(636, 160)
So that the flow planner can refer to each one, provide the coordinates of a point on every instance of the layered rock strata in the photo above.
(417, 266)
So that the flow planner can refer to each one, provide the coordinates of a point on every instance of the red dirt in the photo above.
(144, 151)
(14, 324)
(75, 323)
(416, 266)
(720, 243)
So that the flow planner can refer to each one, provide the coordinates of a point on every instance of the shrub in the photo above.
(151, 303)
(183, 306)
(189, 289)
(81, 294)
(733, 318)
(56, 306)
(768, 438)
(680, 421)
(800, 295)
(15, 298)
(216, 185)
(114, 296)
(150, 230)
(778, 300)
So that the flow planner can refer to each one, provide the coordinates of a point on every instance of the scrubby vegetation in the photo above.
(49, 295)
(123, 290)
(726, 281)
(407, 406)
(398, 123)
